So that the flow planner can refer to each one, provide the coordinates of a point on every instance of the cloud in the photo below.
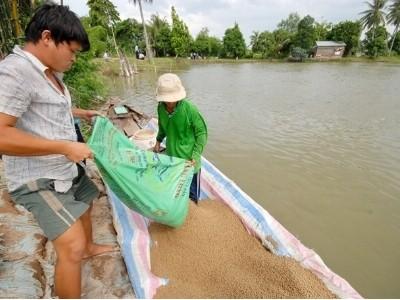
(251, 15)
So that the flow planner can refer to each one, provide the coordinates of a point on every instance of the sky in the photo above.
(251, 15)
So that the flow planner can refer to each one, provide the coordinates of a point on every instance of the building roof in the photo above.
(329, 44)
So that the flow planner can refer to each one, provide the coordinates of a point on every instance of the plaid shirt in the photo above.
(42, 110)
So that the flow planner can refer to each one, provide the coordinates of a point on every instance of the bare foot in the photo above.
(96, 249)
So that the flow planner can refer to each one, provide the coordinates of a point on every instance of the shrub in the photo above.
(83, 82)
(299, 54)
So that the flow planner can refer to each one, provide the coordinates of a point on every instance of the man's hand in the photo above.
(85, 114)
(192, 162)
(77, 152)
(156, 148)
(89, 114)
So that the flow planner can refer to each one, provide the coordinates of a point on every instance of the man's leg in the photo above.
(67, 223)
(85, 192)
(70, 248)
(91, 248)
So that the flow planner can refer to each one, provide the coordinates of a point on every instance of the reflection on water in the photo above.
(318, 145)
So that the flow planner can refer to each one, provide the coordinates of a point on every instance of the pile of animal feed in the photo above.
(213, 256)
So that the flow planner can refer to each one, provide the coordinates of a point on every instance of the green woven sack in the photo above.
(154, 185)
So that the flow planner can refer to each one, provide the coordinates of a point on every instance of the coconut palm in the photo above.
(374, 16)
(159, 35)
(15, 16)
(254, 41)
(393, 18)
(146, 38)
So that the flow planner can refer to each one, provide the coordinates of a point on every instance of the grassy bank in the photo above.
(87, 88)
(170, 64)
(380, 59)
(161, 64)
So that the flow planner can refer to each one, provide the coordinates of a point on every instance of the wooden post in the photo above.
(124, 70)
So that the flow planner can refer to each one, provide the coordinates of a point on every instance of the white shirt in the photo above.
(42, 110)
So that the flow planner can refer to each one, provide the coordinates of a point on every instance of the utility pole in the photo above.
(62, 2)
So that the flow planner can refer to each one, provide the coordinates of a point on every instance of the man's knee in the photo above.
(74, 251)
(71, 244)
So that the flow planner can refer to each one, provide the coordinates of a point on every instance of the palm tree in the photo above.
(393, 18)
(146, 38)
(254, 41)
(374, 16)
(157, 25)
(15, 17)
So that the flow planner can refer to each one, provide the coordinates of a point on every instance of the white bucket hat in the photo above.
(169, 88)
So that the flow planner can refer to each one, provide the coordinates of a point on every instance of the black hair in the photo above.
(63, 24)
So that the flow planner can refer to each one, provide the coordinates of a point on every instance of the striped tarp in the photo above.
(135, 242)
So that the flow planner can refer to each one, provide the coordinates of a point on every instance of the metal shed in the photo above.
(328, 49)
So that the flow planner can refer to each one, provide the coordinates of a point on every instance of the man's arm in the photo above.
(16, 142)
(85, 114)
(200, 135)
(161, 132)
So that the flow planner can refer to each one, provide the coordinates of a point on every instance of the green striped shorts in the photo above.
(54, 211)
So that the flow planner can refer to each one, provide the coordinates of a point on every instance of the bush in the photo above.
(248, 54)
(257, 55)
(299, 54)
(97, 38)
(375, 43)
(396, 44)
(83, 82)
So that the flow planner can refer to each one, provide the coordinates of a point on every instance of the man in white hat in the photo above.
(182, 124)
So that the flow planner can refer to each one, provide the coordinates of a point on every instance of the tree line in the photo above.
(294, 35)
(164, 39)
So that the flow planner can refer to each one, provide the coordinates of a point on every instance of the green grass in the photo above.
(170, 64)
(386, 59)
(162, 64)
